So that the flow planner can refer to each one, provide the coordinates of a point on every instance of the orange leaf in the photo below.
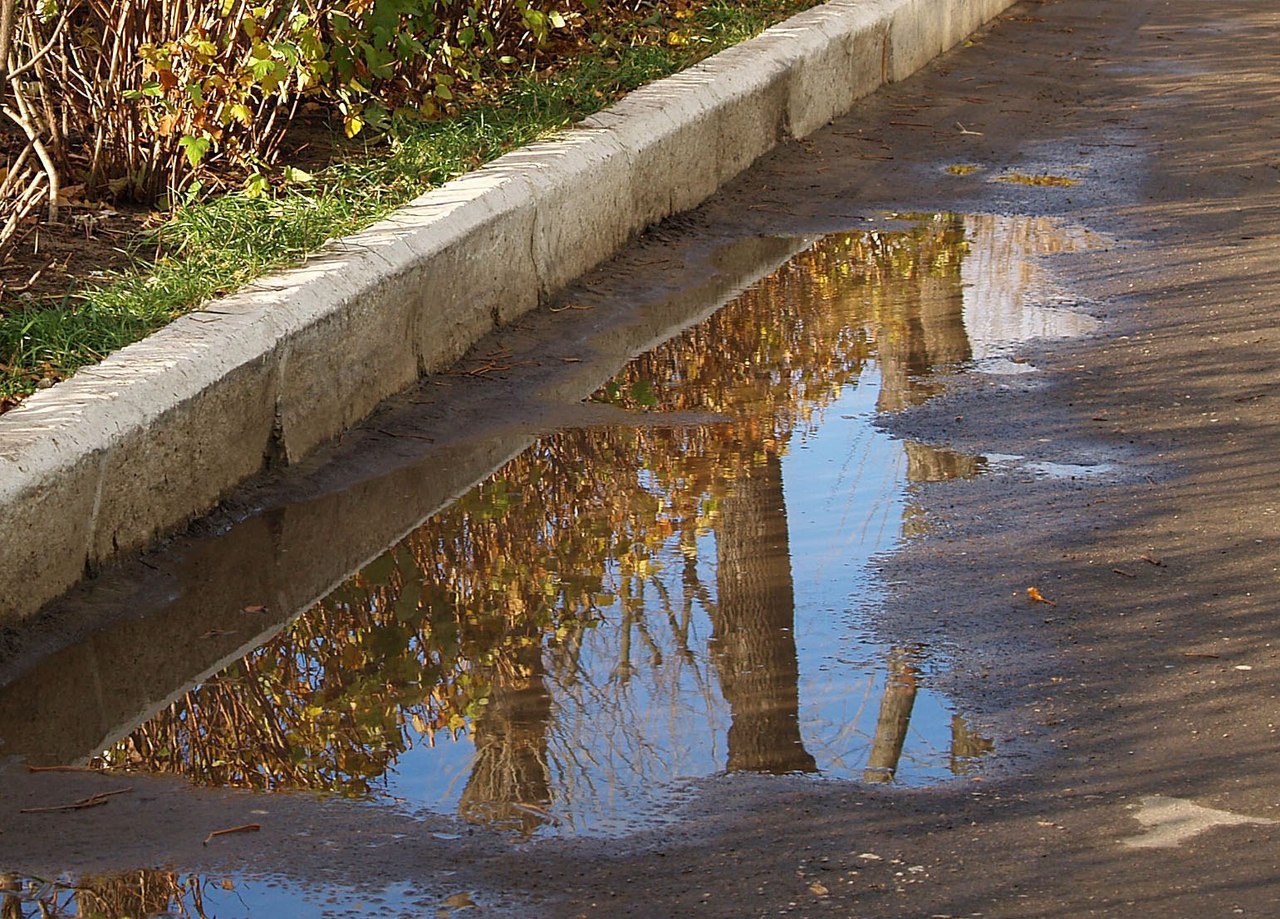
(1034, 595)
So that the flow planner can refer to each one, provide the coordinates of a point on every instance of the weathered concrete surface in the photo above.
(160, 432)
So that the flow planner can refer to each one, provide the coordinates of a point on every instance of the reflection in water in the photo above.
(752, 632)
(615, 609)
(161, 892)
(510, 781)
(900, 687)
(115, 896)
(1006, 298)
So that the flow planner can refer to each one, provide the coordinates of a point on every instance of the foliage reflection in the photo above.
(563, 596)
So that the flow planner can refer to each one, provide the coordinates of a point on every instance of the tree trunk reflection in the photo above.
(510, 783)
(754, 645)
(900, 687)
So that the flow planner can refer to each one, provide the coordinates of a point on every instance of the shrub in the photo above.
(140, 99)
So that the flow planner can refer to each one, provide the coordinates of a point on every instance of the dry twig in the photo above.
(242, 828)
(91, 801)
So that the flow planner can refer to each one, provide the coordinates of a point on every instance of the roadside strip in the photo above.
(158, 433)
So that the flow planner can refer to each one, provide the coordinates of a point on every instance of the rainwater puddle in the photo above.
(619, 610)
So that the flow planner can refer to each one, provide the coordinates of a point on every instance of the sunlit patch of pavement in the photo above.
(1170, 822)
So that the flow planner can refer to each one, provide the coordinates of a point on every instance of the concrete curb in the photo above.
(161, 431)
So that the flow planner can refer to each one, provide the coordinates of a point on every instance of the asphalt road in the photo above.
(1137, 717)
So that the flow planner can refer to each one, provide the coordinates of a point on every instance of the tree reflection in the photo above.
(471, 623)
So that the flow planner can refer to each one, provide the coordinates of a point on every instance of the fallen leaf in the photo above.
(1034, 595)
(69, 195)
(460, 901)
(818, 890)
(255, 608)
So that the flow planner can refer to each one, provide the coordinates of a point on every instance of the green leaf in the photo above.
(256, 186)
(194, 147)
(295, 176)
(643, 394)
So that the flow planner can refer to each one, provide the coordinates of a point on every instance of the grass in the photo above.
(214, 247)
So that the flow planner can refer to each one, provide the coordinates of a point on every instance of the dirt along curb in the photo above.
(102, 465)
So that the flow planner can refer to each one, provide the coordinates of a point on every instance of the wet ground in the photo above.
(893, 536)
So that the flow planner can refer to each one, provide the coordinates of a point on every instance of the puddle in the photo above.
(1009, 299)
(150, 893)
(1041, 181)
(1004, 366)
(618, 610)
(1071, 470)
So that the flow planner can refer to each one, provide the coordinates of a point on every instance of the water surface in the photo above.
(620, 609)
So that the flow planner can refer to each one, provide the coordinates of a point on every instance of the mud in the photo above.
(1138, 704)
